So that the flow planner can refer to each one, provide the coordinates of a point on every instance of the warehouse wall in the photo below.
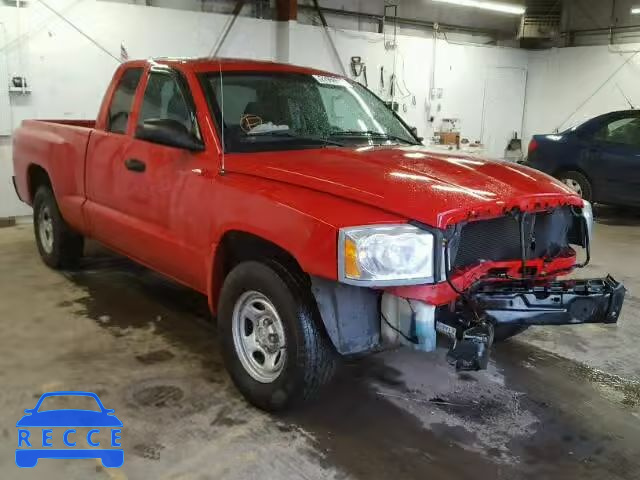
(568, 85)
(462, 72)
(68, 74)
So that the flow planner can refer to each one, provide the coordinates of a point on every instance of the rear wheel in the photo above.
(578, 183)
(58, 244)
(273, 343)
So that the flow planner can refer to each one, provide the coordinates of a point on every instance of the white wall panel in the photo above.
(68, 74)
(5, 107)
(503, 108)
(563, 86)
(461, 72)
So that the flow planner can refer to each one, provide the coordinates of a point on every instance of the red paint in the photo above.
(442, 293)
(172, 217)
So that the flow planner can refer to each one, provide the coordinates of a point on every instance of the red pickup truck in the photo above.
(311, 216)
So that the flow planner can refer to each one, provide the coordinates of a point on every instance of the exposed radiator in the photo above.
(546, 234)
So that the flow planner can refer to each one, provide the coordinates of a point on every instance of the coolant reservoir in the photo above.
(408, 322)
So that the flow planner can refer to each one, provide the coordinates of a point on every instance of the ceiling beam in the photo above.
(403, 21)
(286, 10)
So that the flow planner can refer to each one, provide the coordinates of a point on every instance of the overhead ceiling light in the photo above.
(495, 6)
(635, 11)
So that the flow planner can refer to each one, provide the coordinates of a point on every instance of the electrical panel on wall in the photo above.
(19, 84)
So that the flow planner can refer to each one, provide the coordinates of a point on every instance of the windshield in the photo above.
(276, 111)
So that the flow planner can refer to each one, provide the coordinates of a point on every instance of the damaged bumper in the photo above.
(564, 302)
(361, 320)
(520, 303)
(491, 305)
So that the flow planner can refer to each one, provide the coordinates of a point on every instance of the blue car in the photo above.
(599, 159)
(27, 453)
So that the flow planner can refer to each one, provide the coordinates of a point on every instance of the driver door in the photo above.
(164, 190)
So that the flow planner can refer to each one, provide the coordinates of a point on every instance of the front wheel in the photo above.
(272, 339)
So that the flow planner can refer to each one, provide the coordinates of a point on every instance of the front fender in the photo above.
(302, 222)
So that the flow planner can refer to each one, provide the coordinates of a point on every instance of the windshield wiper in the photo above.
(370, 134)
(288, 134)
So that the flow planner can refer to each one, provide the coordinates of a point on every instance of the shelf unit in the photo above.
(19, 90)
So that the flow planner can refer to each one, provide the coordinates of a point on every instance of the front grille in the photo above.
(498, 239)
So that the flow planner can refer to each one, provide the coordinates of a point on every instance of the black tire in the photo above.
(504, 332)
(580, 179)
(67, 246)
(310, 357)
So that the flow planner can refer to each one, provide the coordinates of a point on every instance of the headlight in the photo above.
(385, 255)
(587, 213)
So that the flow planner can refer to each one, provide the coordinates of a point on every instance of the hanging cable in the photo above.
(602, 85)
(77, 29)
(227, 28)
(523, 245)
(398, 331)
(446, 270)
(464, 296)
(409, 93)
(332, 44)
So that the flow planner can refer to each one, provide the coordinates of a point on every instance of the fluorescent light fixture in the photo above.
(495, 6)
(635, 11)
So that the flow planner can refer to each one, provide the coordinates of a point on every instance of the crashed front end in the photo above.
(403, 284)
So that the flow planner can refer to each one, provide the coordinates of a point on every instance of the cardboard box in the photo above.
(449, 138)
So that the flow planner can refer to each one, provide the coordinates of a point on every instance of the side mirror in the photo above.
(168, 132)
(414, 130)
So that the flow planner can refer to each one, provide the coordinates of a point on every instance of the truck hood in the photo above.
(433, 188)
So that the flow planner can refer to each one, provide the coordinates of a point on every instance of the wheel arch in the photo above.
(37, 176)
(348, 314)
(236, 246)
(576, 168)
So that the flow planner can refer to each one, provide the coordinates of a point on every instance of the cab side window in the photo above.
(122, 100)
(625, 131)
(166, 99)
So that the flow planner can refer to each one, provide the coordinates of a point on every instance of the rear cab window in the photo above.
(122, 100)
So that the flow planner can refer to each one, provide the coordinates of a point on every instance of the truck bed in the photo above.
(59, 148)
(73, 123)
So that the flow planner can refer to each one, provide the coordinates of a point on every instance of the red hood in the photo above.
(433, 188)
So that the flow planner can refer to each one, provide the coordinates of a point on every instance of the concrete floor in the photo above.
(557, 403)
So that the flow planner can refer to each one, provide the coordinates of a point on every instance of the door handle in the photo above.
(135, 165)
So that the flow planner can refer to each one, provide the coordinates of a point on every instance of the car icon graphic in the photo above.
(67, 418)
